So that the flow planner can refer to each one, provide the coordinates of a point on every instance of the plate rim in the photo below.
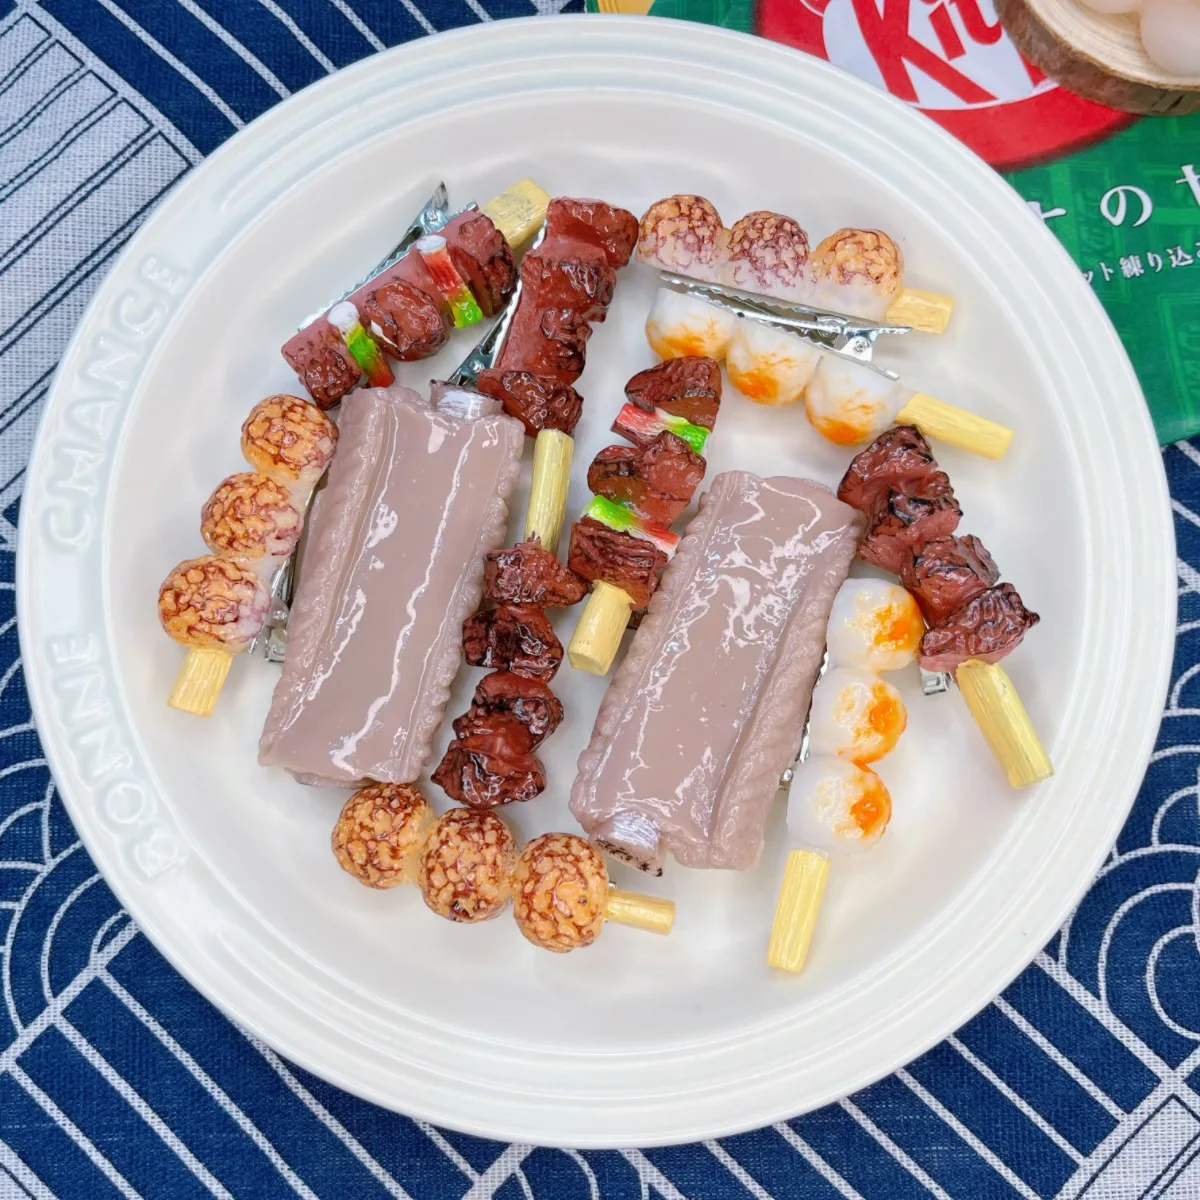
(633, 31)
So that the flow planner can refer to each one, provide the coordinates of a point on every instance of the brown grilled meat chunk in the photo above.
(903, 521)
(658, 480)
(987, 628)
(503, 693)
(513, 637)
(484, 260)
(405, 320)
(485, 770)
(628, 562)
(528, 574)
(948, 572)
(537, 401)
(613, 230)
(688, 387)
(898, 458)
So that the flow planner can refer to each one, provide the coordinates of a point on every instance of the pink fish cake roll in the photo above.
(837, 807)
(875, 625)
(855, 715)
(849, 403)
(768, 365)
(857, 271)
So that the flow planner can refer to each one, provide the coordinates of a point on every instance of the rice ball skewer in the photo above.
(847, 401)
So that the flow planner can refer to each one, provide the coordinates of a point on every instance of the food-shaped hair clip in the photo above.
(858, 272)
(448, 271)
(467, 867)
(491, 760)
(622, 540)
(776, 356)
(835, 808)
(973, 620)
(836, 803)
(780, 317)
(213, 606)
(705, 712)
(217, 605)
(562, 896)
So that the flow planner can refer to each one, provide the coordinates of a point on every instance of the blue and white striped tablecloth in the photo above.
(117, 1079)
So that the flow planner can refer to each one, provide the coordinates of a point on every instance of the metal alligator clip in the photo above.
(834, 331)
(488, 350)
(433, 217)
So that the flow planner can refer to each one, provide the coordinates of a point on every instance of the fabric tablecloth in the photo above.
(117, 1078)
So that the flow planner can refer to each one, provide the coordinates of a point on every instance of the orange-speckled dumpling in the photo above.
(836, 806)
(855, 715)
(873, 624)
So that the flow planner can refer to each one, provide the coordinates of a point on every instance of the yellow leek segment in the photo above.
(1004, 723)
(797, 909)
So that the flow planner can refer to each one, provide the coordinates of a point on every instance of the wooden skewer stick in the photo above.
(796, 911)
(552, 454)
(955, 426)
(924, 311)
(601, 626)
(200, 679)
(1003, 721)
(651, 913)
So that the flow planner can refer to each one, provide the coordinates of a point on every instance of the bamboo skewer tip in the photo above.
(518, 212)
(601, 626)
(993, 702)
(552, 455)
(955, 426)
(651, 913)
(796, 911)
(200, 679)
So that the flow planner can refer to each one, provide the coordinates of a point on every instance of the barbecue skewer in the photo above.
(623, 538)
(822, 358)
(467, 866)
(853, 271)
(974, 619)
(837, 805)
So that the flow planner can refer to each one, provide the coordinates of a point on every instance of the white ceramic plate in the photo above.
(638, 1040)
